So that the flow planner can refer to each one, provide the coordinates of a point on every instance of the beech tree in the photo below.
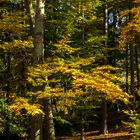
(129, 41)
(15, 57)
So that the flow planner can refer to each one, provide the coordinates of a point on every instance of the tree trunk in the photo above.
(104, 117)
(132, 65)
(82, 127)
(137, 68)
(7, 127)
(49, 132)
(37, 31)
(36, 128)
(132, 76)
(127, 72)
(104, 102)
(38, 38)
(30, 12)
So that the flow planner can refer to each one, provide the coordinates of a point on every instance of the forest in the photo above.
(69, 69)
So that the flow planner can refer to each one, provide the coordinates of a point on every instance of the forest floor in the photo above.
(109, 136)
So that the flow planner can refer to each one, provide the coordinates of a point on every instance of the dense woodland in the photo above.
(68, 67)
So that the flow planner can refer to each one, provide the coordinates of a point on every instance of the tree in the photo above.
(15, 57)
(129, 40)
(38, 36)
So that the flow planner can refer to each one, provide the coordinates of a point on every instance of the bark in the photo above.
(132, 76)
(104, 102)
(137, 68)
(36, 128)
(127, 72)
(82, 127)
(38, 37)
(30, 13)
(104, 118)
(7, 127)
(37, 31)
(49, 132)
(82, 133)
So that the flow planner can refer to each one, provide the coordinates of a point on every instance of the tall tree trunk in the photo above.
(132, 65)
(127, 71)
(137, 68)
(104, 102)
(82, 137)
(37, 31)
(38, 37)
(132, 76)
(7, 127)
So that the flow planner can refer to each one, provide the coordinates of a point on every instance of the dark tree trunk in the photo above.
(132, 74)
(82, 137)
(137, 68)
(36, 128)
(104, 118)
(127, 71)
(7, 127)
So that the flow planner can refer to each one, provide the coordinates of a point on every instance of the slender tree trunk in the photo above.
(104, 118)
(82, 133)
(127, 72)
(137, 68)
(132, 76)
(7, 127)
(82, 137)
(82, 118)
(30, 13)
(132, 60)
(104, 102)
